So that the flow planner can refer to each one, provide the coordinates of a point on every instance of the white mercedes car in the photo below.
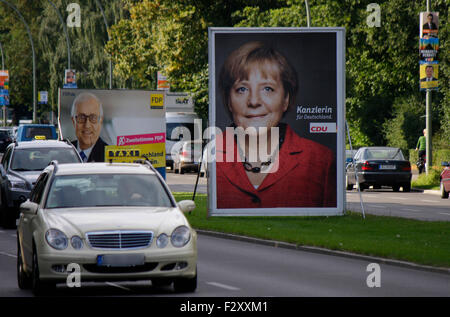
(111, 222)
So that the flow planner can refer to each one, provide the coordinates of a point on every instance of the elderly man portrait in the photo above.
(87, 119)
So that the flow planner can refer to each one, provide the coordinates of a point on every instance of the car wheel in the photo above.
(185, 285)
(181, 169)
(444, 194)
(23, 280)
(396, 188)
(347, 184)
(360, 186)
(38, 286)
(407, 187)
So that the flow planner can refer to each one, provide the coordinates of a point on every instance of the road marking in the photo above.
(118, 286)
(14, 235)
(401, 198)
(1, 231)
(427, 201)
(227, 287)
(444, 213)
(377, 206)
(407, 209)
(8, 254)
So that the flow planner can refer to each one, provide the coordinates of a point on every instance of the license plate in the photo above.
(387, 167)
(120, 260)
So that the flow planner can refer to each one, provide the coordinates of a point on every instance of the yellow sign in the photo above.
(39, 137)
(155, 153)
(156, 101)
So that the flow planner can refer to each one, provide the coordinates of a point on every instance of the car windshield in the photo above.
(383, 154)
(31, 132)
(176, 130)
(37, 159)
(95, 190)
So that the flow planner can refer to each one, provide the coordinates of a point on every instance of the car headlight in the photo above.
(56, 239)
(17, 185)
(76, 242)
(180, 236)
(162, 240)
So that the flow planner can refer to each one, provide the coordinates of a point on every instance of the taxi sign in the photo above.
(40, 137)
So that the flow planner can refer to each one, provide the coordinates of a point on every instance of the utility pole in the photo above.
(429, 160)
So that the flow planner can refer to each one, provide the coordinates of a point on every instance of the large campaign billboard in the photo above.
(277, 115)
(114, 125)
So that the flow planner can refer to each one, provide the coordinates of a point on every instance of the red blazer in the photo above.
(306, 177)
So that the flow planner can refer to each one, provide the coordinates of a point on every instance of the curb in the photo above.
(292, 246)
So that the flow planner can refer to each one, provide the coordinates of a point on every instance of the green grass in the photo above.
(421, 242)
(430, 181)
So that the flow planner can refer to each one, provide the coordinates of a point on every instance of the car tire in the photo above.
(444, 194)
(181, 169)
(175, 169)
(8, 214)
(396, 188)
(38, 286)
(361, 187)
(407, 187)
(24, 281)
(185, 285)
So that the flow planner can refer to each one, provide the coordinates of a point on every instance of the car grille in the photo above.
(118, 240)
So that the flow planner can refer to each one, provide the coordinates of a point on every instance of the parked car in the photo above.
(179, 126)
(379, 166)
(20, 167)
(115, 221)
(5, 139)
(349, 155)
(444, 180)
(188, 156)
(28, 132)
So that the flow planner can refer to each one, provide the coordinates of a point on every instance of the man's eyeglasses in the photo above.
(82, 118)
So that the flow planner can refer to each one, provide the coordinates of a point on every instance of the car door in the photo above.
(28, 221)
(4, 179)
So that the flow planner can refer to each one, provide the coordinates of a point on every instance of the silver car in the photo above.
(110, 221)
(20, 167)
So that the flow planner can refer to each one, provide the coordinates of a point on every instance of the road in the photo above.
(414, 205)
(229, 268)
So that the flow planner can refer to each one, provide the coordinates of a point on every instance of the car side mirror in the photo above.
(186, 205)
(29, 208)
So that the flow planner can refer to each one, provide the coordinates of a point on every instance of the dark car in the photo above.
(445, 180)
(20, 167)
(5, 139)
(379, 166)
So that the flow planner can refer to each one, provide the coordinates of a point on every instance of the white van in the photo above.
(179, 126)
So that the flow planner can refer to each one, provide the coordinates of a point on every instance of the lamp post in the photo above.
(33, 52)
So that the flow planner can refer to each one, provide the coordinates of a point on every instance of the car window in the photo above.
(31, 132)
(5, 159)
(37, 159)
(175, 130)
(383, 154)
(107, 190)
(38, 189)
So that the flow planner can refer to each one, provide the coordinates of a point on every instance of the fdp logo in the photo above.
(322, 127)
(156, 101)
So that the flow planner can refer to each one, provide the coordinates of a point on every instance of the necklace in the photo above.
(249, 167)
